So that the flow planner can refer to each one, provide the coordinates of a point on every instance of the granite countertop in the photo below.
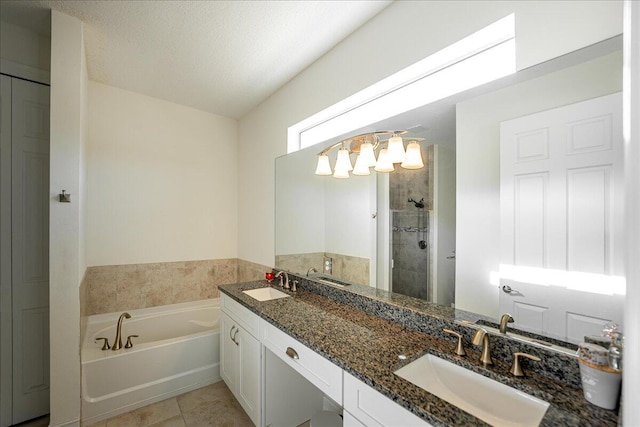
(369, 347)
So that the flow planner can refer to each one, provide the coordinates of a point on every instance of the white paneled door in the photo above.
(25, 223)
(561, 197)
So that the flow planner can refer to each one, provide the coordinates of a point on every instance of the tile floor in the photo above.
(211, 406)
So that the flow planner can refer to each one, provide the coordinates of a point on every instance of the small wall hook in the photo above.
(64, 197)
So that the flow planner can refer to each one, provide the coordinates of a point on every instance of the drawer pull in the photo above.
(292, 353)
(231, 333)
(234, 336)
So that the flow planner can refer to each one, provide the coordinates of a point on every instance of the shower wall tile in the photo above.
(415, 184)
(126, 287)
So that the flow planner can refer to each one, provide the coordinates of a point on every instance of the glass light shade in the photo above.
(367, 154)
(395, 147)
(341, 173)
(361, 168)
(413, 157)
(384, 164)
(343, 162)
(323, 167)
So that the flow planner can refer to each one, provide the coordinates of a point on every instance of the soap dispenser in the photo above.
(601, 370)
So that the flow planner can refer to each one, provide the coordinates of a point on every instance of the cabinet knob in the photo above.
(292, 353)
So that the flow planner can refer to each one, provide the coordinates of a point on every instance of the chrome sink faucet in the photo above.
(482, 338)
(284, 284)
(117, 343)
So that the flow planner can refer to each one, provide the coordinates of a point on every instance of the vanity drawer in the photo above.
(320, 372)
(240, 314)
(373, 409)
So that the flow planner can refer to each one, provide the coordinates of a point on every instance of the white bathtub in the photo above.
(178, 349)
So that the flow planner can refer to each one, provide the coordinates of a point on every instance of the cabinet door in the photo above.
(248, 386)
(373, 409)
(350, 421)
(229, 361)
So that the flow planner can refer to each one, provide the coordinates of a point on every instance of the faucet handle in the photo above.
(294, 285)
(129, 344)
(105, 345)
(459, 348)
(516, 369)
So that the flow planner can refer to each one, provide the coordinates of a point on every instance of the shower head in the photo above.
(419, 205)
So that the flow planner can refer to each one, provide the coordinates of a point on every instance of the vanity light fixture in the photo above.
(392, 151)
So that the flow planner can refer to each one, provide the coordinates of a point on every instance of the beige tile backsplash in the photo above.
(112, 288)
(345, 267)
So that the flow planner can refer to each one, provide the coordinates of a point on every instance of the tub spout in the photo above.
(117, 343)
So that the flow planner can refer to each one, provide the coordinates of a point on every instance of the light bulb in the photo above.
(323, 167)
(367, 154)
(361, 168)
(413, 157)
(343, 162)
(395, 147)
(384, 164)
(341, 173)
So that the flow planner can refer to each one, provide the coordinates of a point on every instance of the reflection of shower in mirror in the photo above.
(419, 205)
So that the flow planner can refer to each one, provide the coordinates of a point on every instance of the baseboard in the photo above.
(72, 423)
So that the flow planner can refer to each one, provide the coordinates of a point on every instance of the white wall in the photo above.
(543, 30)
(162, 181)
(68, 95)
(299, 190)
(478, 166)
(23, 46)
(352, 198)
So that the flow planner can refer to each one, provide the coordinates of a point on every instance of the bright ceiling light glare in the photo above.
(395, 149)
(413, 157)
(323, 167)
(384, 163)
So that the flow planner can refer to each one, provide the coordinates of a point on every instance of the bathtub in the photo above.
(178, 350)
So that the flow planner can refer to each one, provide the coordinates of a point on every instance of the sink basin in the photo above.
(484, 398)
(265, 294)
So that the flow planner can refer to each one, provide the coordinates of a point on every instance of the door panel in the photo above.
(561, 221)
(30, 249)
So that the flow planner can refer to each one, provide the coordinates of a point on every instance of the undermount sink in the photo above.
(494, 403)
(265, 294)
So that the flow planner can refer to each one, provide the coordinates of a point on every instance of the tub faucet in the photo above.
(284, 284)
(482, 337)
(117, 343)
(506, 318)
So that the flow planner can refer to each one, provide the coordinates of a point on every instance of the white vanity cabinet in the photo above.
(240, 355)
(364, 406)
(281, 382)
(320, 372)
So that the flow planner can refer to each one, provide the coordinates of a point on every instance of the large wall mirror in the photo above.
(365, 230)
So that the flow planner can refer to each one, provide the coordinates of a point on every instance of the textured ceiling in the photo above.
(224, 57)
